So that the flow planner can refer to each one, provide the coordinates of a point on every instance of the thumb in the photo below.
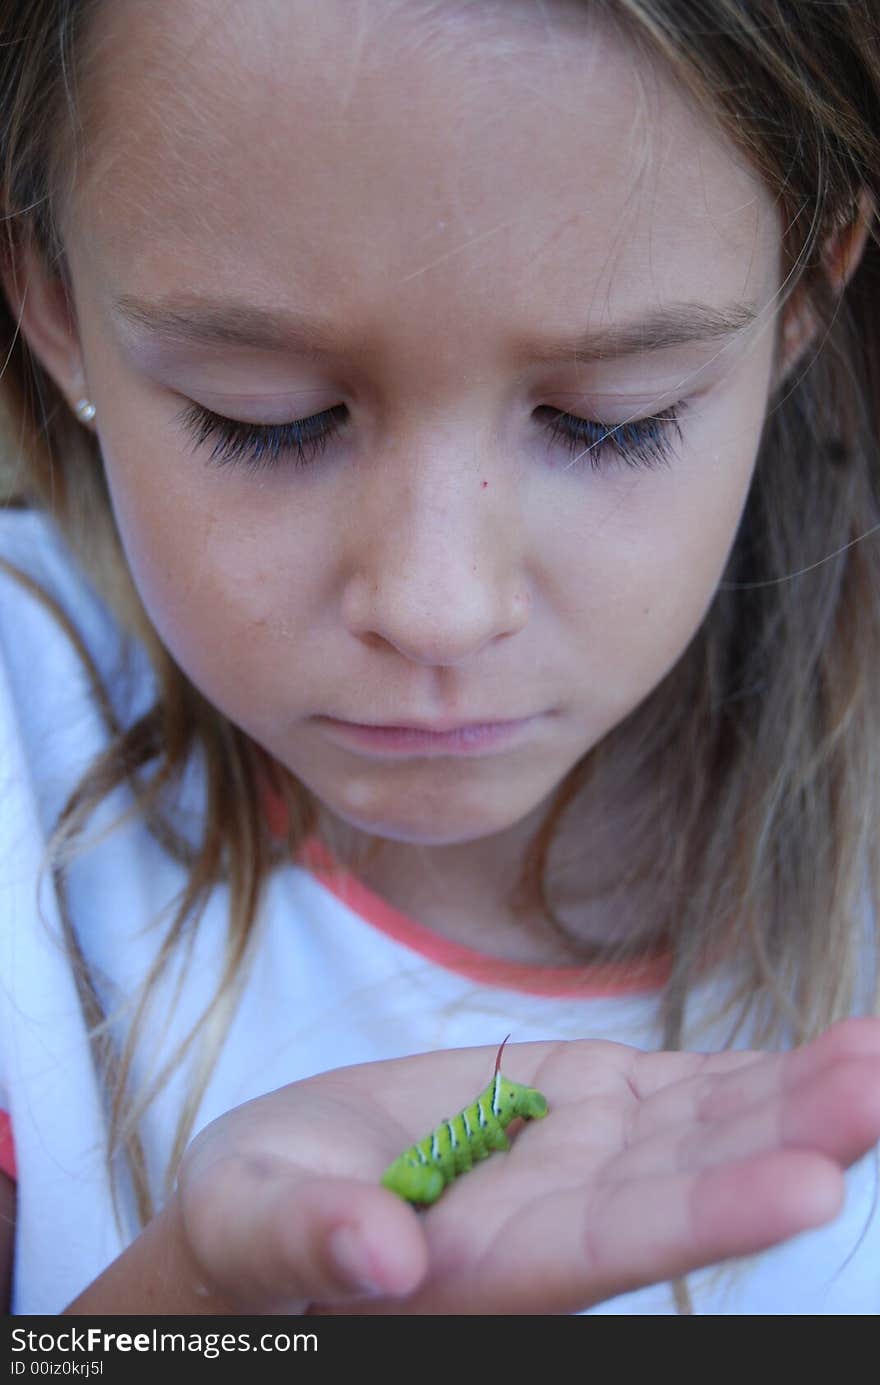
(272, 1238)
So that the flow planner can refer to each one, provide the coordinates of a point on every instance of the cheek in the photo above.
(220, 579)
(692, 551)
(662, 596)
(652, 554)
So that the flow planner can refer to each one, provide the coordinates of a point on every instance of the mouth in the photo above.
(429, 738)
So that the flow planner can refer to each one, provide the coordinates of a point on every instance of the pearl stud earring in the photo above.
(85, 410)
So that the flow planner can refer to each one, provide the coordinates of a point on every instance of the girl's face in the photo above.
(513, 300)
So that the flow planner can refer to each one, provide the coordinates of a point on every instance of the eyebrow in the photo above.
(674, 324)
(202, 322)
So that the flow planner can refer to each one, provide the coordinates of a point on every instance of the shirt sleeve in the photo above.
(7, 1147)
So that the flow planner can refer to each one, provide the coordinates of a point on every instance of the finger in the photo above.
(849, 1040)
(661, 1228)
(834, 1112)
(271, 1239)
(635, 1233)
(726, 1084)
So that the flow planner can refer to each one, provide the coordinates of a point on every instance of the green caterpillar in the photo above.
(422, 1172)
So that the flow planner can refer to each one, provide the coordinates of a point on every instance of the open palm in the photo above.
(649, 1165)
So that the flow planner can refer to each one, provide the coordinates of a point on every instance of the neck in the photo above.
(468, 892)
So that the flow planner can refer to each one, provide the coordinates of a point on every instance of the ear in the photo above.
(40, 302)
(840, 258)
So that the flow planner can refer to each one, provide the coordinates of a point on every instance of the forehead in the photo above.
(406, 145)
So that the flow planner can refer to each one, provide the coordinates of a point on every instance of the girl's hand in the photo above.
(649, 1165)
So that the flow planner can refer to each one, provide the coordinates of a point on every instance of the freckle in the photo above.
(485, 484)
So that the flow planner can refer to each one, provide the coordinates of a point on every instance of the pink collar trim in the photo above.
(584, 982)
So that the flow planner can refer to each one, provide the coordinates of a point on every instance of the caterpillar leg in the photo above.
(497, 1137)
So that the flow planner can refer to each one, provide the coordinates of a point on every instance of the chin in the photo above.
(447, 830)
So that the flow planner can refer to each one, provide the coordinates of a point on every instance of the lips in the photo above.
(434, 728)
(413, 738)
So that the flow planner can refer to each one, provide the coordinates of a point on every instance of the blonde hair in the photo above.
(760, 830)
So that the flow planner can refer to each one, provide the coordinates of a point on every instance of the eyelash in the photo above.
(643, 442)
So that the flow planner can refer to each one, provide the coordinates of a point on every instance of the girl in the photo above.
(440, 597)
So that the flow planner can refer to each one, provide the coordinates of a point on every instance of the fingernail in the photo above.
(351, 1256)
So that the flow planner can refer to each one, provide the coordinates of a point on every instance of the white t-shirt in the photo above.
(339, 977)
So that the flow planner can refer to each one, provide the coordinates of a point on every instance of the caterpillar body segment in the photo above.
(422, 1172)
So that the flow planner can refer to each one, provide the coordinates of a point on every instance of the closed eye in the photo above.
(643, 442)
(639, 442)
(259, 446)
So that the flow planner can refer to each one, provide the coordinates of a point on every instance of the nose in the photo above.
(437, 569)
